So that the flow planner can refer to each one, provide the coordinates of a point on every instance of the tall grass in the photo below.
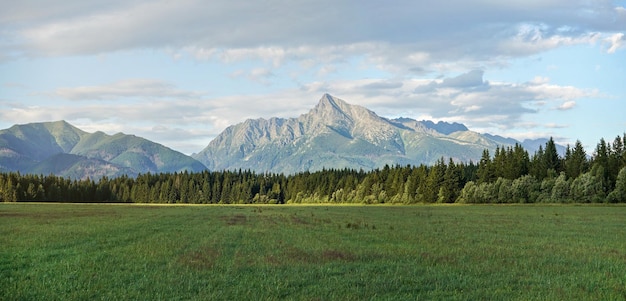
(62, 251)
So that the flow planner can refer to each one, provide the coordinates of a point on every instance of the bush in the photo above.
(618, 195)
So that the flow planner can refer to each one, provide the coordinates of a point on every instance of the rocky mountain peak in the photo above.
(335, 134)
(329, 108)
(329, 100)
(329, 112)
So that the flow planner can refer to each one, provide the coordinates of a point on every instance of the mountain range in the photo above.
(62, 149)
(334, 134)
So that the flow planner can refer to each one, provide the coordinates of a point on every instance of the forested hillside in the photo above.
(510, 175)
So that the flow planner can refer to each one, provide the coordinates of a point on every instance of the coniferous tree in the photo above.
(485, 172)
(600, 166)
(434, 180)
(551, 156)
(520, 161)
(538, 167)
(575, 161)
(619, 150)
(451, 184)
(500, 162)
(421, 176)
(616, 153)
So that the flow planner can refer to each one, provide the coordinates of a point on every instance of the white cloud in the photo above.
(556, 126)
(535, 38)
(382, 85)
(473, 78)
(403, 35)
(259, 75)
(568, 105)
(616, 42)
(144, 88)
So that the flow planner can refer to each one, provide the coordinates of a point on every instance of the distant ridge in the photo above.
(60, 148)
(444, 127)
(335, 134)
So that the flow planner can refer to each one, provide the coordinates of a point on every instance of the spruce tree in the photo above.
(551, 156)
(576, 161)
(485, 172)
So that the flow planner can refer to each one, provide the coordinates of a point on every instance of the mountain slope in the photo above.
(135, 153)
(335, 134)
(21, 146)
(79, 167)
(62, 149)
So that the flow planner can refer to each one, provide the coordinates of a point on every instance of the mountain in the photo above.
(62, 149)
(444, 127)
(335, 134)
(530, 145)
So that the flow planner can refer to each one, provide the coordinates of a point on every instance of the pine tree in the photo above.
(520, 161)
(615, 161)
(538, 167)
(485, 172)
(575, 161)
(600, 165)
(551, 156)
(433, 182)
(451, 184)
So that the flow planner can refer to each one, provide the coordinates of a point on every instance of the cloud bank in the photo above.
(394, 33)
(428, 59)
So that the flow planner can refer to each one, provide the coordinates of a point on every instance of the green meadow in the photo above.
(455, 252)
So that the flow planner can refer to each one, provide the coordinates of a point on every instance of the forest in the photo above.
(510, 175)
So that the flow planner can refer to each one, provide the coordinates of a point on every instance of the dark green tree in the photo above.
(618, 195)
(486, 172)
(551, 156)
(451, 184)
(575, 161)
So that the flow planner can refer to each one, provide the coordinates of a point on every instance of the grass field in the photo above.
(126, 252)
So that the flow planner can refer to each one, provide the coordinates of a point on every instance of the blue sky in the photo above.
(180, 72)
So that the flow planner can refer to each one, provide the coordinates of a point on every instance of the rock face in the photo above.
(335, 134)
(62, 149)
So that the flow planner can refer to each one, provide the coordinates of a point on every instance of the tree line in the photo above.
(510, 175)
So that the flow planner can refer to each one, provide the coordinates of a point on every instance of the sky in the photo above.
(180, 72)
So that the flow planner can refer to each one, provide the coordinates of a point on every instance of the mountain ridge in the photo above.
(336, 134)
(332, 134)
(62, 149)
